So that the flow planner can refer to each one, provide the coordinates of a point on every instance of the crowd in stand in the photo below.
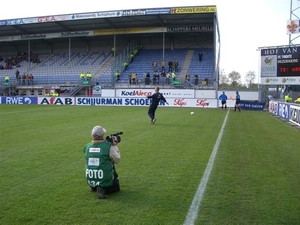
(14, 61)
(131, 57)
(155, 79)
(165, 75)
(25, 79)
(160, 78)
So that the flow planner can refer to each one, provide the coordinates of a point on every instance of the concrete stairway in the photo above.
(186, 64)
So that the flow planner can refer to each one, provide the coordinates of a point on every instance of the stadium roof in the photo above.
(192, 20)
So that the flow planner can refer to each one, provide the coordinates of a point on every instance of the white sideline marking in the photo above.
(194, 208)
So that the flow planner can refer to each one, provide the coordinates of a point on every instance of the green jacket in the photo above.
(99, 167)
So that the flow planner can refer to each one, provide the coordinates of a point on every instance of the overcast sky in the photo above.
(244, 25)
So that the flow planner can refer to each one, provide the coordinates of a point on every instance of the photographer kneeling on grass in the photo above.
(101, 154)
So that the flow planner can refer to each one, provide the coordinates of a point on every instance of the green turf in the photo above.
(255, 177)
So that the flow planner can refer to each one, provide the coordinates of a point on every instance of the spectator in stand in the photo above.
(23, 79)
(82, 76)
(131, 57)
(113, 51)
(6, 78)
(125, 65)
(163, 65)
(19, 80)
(17, 74)
(176, 65)
(24, 56)
(200, 56)
(133, 78)
(173, 76)
(168, 78)
(89, 75)
(187, 77)
(163, 76)
(154, 79)
(18, 77)
(157, 78)
(129, 78)
(117, 75)
(31, 79)
(206, 80)
(170, 64)
(298, 99)
(196, 80)
(154, 66)
(27, 79)
(287, 98)
(136, 79)
(37, 60)
(147, 79)
(8, 65)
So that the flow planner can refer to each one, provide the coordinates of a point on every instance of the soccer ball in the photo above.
(192, 113)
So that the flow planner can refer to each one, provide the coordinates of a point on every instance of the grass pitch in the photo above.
(254, 180)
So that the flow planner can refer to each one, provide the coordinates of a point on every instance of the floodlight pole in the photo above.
(70, 45)
(163, 56)
(28, 55)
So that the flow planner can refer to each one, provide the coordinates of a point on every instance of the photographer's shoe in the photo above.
(101, 193)
(93, 189)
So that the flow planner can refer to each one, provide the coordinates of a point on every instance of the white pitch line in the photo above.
(194, 208)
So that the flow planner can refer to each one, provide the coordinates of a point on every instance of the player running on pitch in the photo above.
(156, 98)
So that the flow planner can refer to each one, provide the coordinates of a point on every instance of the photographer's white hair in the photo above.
(98, 133)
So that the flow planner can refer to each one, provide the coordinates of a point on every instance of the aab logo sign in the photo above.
(56, 101)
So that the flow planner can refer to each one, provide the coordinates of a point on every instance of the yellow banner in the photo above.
(131, 31)
(200, 9)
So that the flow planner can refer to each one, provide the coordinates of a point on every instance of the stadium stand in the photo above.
(142, 64)
(57, 68)
(60, 68)
(205, 68)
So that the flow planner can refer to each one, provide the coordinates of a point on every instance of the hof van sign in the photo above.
(252, 105)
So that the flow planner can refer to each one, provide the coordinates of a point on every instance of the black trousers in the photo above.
(111, 189)
(114, 188)
(151, 111)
